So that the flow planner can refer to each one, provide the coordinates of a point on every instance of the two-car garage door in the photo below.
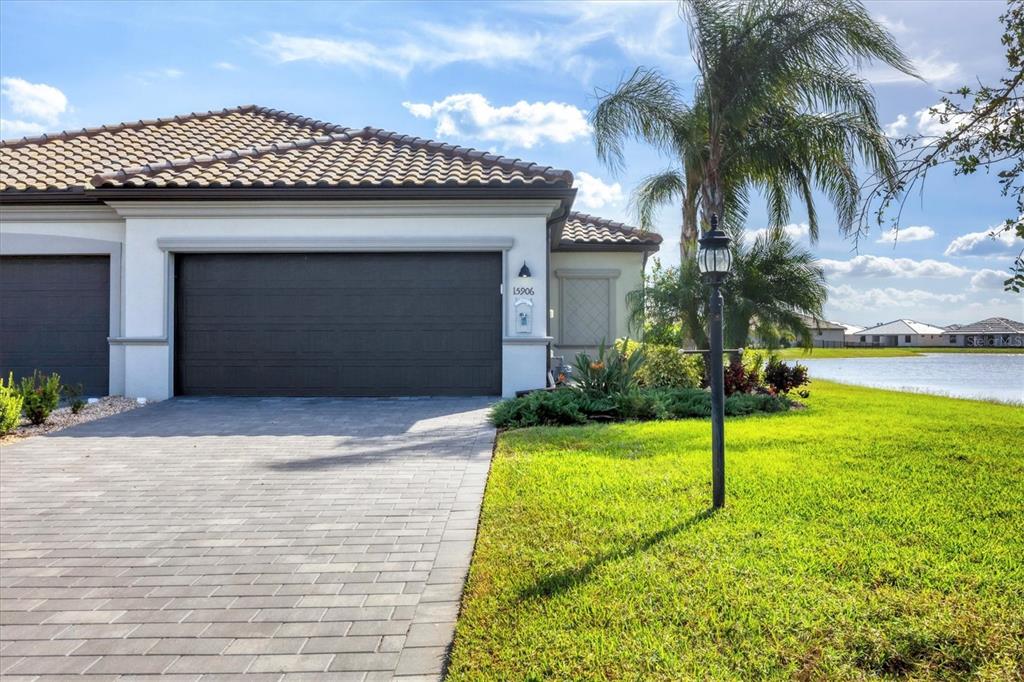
(283, 324)
(338, 324)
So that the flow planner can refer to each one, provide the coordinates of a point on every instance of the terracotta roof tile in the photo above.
(366, 158)
(69, 160)
(250, 147)
(581, 228)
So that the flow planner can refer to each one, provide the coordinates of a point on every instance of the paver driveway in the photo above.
(274, 539)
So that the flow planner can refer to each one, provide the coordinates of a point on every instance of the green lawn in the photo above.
(876, 534)
(798, 353)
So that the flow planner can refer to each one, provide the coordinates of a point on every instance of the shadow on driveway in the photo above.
(342, 417)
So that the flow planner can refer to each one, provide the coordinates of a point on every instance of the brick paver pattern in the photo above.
(257, 539)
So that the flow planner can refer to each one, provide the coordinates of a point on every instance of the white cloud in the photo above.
(897, 127)
(225, 66)
(929, 120)
(795, 231)
(524, 124)
(436, 46)
(984, 244)
(548, 36)
(34, 100)
(932, 68)
(593, 193)
(15, 128)
(846, 297)
(911, 233)
(896, 26)
(882, 266)
(987, 279)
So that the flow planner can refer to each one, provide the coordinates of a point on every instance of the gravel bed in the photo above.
(62, 418)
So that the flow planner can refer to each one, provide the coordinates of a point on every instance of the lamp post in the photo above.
(714, 260)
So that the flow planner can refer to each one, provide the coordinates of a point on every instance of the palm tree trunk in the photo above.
(688, 235)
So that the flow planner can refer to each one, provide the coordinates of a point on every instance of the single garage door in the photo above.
(338, 324)
(55, 317)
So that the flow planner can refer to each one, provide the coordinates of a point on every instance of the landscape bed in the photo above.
(876, 534)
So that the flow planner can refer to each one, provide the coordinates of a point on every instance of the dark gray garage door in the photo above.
(55, 317)
(336, 324)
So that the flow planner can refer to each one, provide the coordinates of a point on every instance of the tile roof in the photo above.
(992, 325)
(365, 158)
(903, 327)
(250, 146)
(257, 147)
(816, 323)
(69, 160)
(582, 229)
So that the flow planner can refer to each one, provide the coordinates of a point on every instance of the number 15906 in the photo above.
(522, 291)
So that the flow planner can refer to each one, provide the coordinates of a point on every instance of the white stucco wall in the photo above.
(79, 230)
(151, 232)
(630, 268)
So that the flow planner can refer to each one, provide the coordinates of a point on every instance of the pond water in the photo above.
(963, 375)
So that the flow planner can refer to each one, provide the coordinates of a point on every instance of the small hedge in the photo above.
(566, 406)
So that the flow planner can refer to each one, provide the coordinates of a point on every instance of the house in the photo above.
(825, 334)
(998, 332)
(898, 333)
(250, 251)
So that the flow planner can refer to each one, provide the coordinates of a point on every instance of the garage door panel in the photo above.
(55, 317)
(338, 324)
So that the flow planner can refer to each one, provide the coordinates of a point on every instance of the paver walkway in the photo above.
(214, 539)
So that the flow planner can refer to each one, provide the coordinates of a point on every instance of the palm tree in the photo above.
(774, 281)
(777, 108)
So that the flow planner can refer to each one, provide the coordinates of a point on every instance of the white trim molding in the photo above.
(137, 340)
(308, 244)
(526, 340)
(483, 208)
(58, 214)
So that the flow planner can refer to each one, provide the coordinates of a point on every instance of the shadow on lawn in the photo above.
(565, 580)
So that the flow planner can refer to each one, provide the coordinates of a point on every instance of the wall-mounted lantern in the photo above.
(524, 271)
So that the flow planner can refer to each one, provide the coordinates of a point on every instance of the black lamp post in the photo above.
(714, 260)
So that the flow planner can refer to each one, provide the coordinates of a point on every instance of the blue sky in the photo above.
(517, 79)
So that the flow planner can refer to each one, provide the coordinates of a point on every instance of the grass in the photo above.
(874, 535)
(800, 353)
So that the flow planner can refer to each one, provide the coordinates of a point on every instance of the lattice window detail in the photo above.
(586, 318)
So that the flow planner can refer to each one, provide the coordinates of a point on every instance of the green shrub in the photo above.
(540, 408)
(664, 366)
(10, 405)
(566, 406)
(611, 372)
(752, 403)
(73, 393)
(783, 378)
(684, 403)
(41, 394)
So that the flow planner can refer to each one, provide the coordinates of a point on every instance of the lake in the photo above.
(963, 375)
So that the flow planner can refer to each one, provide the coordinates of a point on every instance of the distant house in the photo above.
(825, 334)
(993, 332)
(899, 333)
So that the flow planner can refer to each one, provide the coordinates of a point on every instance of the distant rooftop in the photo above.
(992, 325)
(902, 326)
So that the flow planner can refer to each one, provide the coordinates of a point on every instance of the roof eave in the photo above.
(626, 247)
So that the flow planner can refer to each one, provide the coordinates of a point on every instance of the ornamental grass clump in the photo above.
(41, 394)
(10, 405)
